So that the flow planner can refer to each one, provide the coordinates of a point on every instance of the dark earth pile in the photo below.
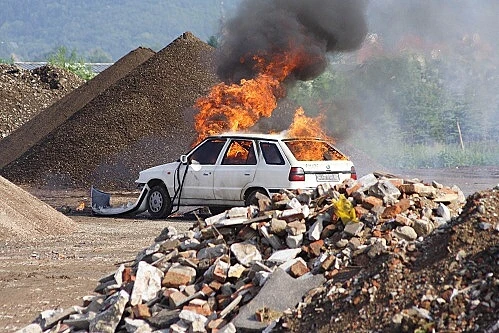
(448, 283)
(24, 93)
(143, 119)
(41, 124)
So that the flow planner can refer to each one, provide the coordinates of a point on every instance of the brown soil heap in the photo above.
(24, 216)
(143, 119)
(48, 119)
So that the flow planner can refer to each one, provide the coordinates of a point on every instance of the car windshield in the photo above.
(208, 151)
(314, 150)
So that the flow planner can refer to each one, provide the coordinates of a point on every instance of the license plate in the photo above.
(327, 177)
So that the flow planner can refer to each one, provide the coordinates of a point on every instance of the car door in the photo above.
(236, 169)
(198, 183)
(273, 170)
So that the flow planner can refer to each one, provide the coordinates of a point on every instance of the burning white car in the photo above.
(230, 169)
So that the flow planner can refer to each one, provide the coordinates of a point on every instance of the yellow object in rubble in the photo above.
(344, 210)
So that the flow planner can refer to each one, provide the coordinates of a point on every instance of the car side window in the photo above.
(207, 153)
(240, 152)
(271, 153)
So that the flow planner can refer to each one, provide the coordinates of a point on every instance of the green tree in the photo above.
(213, 41)
(70, 61)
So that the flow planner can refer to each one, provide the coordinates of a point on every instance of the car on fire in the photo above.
(229, 170)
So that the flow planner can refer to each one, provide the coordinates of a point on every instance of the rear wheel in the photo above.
(252, 197)
(215, 210)
(159, 203)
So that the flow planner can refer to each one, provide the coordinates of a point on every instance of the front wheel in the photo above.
(159, 203)
(252, 197)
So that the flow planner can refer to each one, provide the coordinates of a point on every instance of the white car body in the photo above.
(223, 179)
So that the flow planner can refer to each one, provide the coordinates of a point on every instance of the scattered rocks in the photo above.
(234, 278)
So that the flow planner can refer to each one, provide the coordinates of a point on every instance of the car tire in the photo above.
(251, 198)
(218, 210)
(159, 203)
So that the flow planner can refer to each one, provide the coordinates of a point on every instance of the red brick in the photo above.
(326, 264)
(390, 212)
(215, 285)
(298, 269)
(352, 189)
(216, 324)
(328, 231)
(403, 220)
(207, 290)
(370, 202)
(199, 306)
(141, 311)
(315, 247)
(360, 211)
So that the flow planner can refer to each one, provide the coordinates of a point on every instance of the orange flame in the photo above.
(304, 126)
(237, 107)
(238, 152)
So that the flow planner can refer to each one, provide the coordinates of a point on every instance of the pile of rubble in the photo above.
(246, 269)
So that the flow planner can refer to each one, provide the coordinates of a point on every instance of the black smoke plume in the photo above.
(268, 27)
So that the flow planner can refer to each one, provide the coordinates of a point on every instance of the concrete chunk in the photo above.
(147, 283)
(108, 320)
(246, 253)
(279, 293)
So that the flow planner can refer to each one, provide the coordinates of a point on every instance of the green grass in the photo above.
(434, 155)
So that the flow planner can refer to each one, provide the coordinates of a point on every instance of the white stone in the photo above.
(191, 316)
(294, 241)
(314, 233)
(246, 253)
(444, 212)
(282, 256)
(236, 271)
(147, 283)
(108, 320)
(405, 232)
(137, 325)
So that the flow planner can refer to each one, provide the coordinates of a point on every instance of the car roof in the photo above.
(247, 135)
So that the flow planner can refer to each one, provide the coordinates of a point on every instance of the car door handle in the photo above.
(247, 173)
(206, 173)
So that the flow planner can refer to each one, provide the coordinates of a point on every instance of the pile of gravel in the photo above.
(23, 93)
(35, 127)
(23, 216)
(143, 119)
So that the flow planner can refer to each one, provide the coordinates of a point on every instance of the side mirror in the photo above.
(183, 159)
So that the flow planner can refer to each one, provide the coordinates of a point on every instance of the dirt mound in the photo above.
(41, 124)
(24, 93)
(141, 120)
(24, 216)
(448, 283)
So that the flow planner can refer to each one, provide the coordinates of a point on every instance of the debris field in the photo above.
(360, 256)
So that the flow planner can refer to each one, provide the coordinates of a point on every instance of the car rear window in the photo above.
(314, 150)
(271, 153)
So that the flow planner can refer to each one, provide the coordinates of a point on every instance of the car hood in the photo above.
(160, 172)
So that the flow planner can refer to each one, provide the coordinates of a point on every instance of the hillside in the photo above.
(102, 31)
